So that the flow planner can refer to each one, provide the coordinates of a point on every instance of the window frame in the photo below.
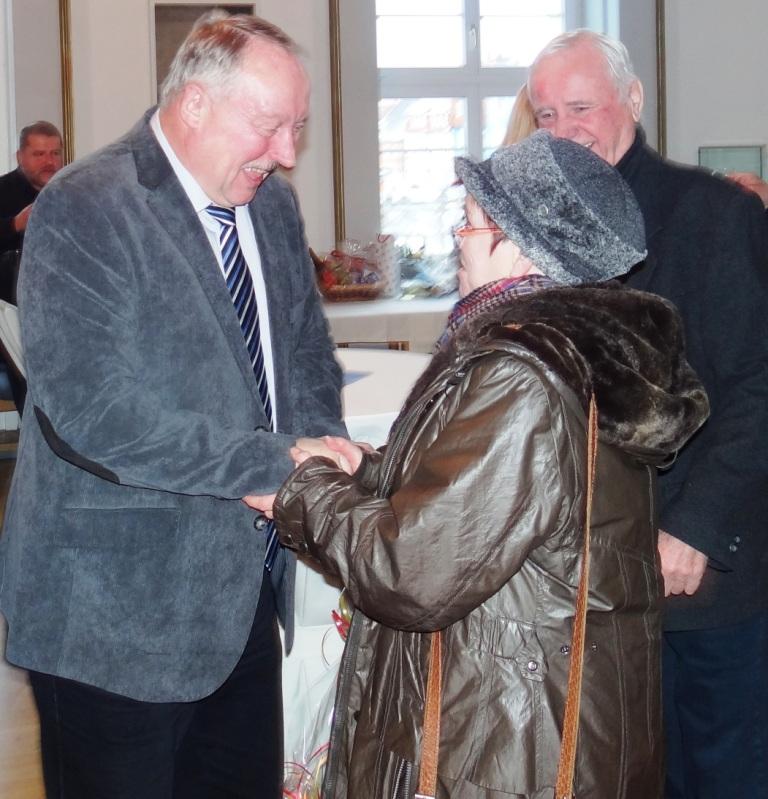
(355, 90)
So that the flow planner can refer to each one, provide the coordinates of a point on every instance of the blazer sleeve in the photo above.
(494, 484)
(91, 394)
(725, 466)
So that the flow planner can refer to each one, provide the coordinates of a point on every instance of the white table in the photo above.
(420, 322)
(378, 382)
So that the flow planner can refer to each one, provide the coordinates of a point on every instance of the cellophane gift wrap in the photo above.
(307, 732)
(383, 253)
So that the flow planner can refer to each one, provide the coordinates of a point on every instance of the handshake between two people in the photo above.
(344, 453)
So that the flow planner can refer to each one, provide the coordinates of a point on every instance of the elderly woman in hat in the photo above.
(472, 522)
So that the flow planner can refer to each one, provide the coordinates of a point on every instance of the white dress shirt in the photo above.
(200, 202)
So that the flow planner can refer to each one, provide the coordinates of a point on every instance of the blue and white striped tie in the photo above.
(240, 285)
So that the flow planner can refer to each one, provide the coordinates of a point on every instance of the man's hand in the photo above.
(261, 502)
(351, 450)
(751, 182)
(682, 566)
(21, 219)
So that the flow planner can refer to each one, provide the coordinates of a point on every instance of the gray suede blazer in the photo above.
(128, 560)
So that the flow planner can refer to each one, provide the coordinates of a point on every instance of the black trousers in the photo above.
(715, 709)
(99, 745)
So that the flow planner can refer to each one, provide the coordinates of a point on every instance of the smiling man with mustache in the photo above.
(176, 350)
(708, 253)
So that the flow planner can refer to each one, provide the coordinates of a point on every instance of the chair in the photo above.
(10, 338)
(394, 344)
(13, 383)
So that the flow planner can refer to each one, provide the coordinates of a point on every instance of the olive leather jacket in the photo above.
(472, 521)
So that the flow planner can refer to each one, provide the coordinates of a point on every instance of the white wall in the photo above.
(7, 118)
(37, 64)
(111, 54)
(716, 75)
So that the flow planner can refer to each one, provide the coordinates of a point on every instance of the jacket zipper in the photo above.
(349, 659)
(403, 780)
(348, 663)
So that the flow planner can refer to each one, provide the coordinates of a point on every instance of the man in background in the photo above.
(176, 349)
(707, 253)
(39, 158)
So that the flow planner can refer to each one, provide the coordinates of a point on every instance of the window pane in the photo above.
(496, 111)
(403, 42)
(515, 41)
(434, 8)
(521, 8)
(418, 140)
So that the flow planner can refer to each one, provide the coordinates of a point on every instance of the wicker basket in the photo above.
(354, 292)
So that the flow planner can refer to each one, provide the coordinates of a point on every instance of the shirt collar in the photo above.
(199, 199)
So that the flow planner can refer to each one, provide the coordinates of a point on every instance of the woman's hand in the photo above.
(261, 502)
(344, 453)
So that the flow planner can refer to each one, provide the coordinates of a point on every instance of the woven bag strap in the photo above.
(430, 744)
(567, 765)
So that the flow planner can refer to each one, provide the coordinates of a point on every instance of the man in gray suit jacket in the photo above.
(132, 575)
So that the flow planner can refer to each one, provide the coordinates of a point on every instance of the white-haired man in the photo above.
(708, 253)
(175, 347)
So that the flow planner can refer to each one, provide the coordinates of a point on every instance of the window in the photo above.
(445, 75)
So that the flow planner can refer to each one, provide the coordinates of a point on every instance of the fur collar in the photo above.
(627, 346)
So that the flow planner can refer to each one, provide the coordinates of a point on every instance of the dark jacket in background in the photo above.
(473, 522)
(708, 254)
(16, 193)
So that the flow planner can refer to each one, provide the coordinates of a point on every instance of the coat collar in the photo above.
(625, 345)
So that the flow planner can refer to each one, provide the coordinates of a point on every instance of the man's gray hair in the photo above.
(211, 52)
(39, 128)
(614, 54)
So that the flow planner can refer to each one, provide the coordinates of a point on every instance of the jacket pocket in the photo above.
(127, 529)
(128, 587)
(497, 721)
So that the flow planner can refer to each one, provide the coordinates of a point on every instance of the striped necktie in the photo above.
(240, 285)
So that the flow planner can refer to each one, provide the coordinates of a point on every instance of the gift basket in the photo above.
(349, 273)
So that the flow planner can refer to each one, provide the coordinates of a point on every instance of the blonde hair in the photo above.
(522, 121)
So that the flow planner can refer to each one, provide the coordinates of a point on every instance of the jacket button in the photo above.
(532, 665)
(260, 523)
(737, 539)
(733, 547)
(593, 647)
(565, 649)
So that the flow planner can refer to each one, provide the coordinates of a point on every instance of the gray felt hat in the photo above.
(568, 210)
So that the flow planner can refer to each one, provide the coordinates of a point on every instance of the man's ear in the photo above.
(636, 98)
(194, 104)
(18, 157)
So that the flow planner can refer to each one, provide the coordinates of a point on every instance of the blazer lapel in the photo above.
(170, 205)
(272, 257)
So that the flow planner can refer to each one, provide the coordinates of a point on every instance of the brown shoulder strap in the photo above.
(567, 765)
(430, 744)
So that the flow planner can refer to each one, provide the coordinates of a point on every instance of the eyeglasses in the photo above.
(460, 231)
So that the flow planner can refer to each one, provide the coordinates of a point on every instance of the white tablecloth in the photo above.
(420, 322)
(376, 384)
